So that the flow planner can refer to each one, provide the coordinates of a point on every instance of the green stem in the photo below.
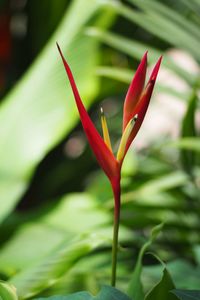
(117, 193)
(115, 249)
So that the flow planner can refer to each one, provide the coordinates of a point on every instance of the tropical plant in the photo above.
(60, 242)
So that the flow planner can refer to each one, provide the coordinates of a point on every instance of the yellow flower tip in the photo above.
(106, 135)
(125, 136)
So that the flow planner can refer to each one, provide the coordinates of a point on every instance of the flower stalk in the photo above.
(135, 107)
(117, 198)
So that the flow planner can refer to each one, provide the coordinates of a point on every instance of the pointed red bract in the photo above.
(143, 103)
(103, 154)
(134, 91)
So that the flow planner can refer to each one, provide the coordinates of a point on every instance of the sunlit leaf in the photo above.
(48, 270)
(54, 227)
(15, 257)
(40, 111)
(7, 291)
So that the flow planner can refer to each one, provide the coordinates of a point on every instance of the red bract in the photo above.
(135, 107)
(140, 104)
(104, 156)
(135, 90)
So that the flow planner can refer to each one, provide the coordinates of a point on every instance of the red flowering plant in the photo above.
(135, 107)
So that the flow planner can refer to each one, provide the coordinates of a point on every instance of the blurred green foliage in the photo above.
(56, 205)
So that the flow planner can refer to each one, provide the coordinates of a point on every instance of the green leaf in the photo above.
(27, 246)
(177, 268)
(80, 206)
(162, 289)
(188, 126)
(137, 49)
(54, 227)
(135, 289)
(196, 250)
(106, 293)
(193, 6)
(162, 27)
(157, 185)
(187, 294)
(188, 157)
(7, 291)
(159, 8)
(48, 270)
(40, 110)
(188, 143)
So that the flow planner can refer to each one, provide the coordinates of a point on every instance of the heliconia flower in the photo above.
(135, 107)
